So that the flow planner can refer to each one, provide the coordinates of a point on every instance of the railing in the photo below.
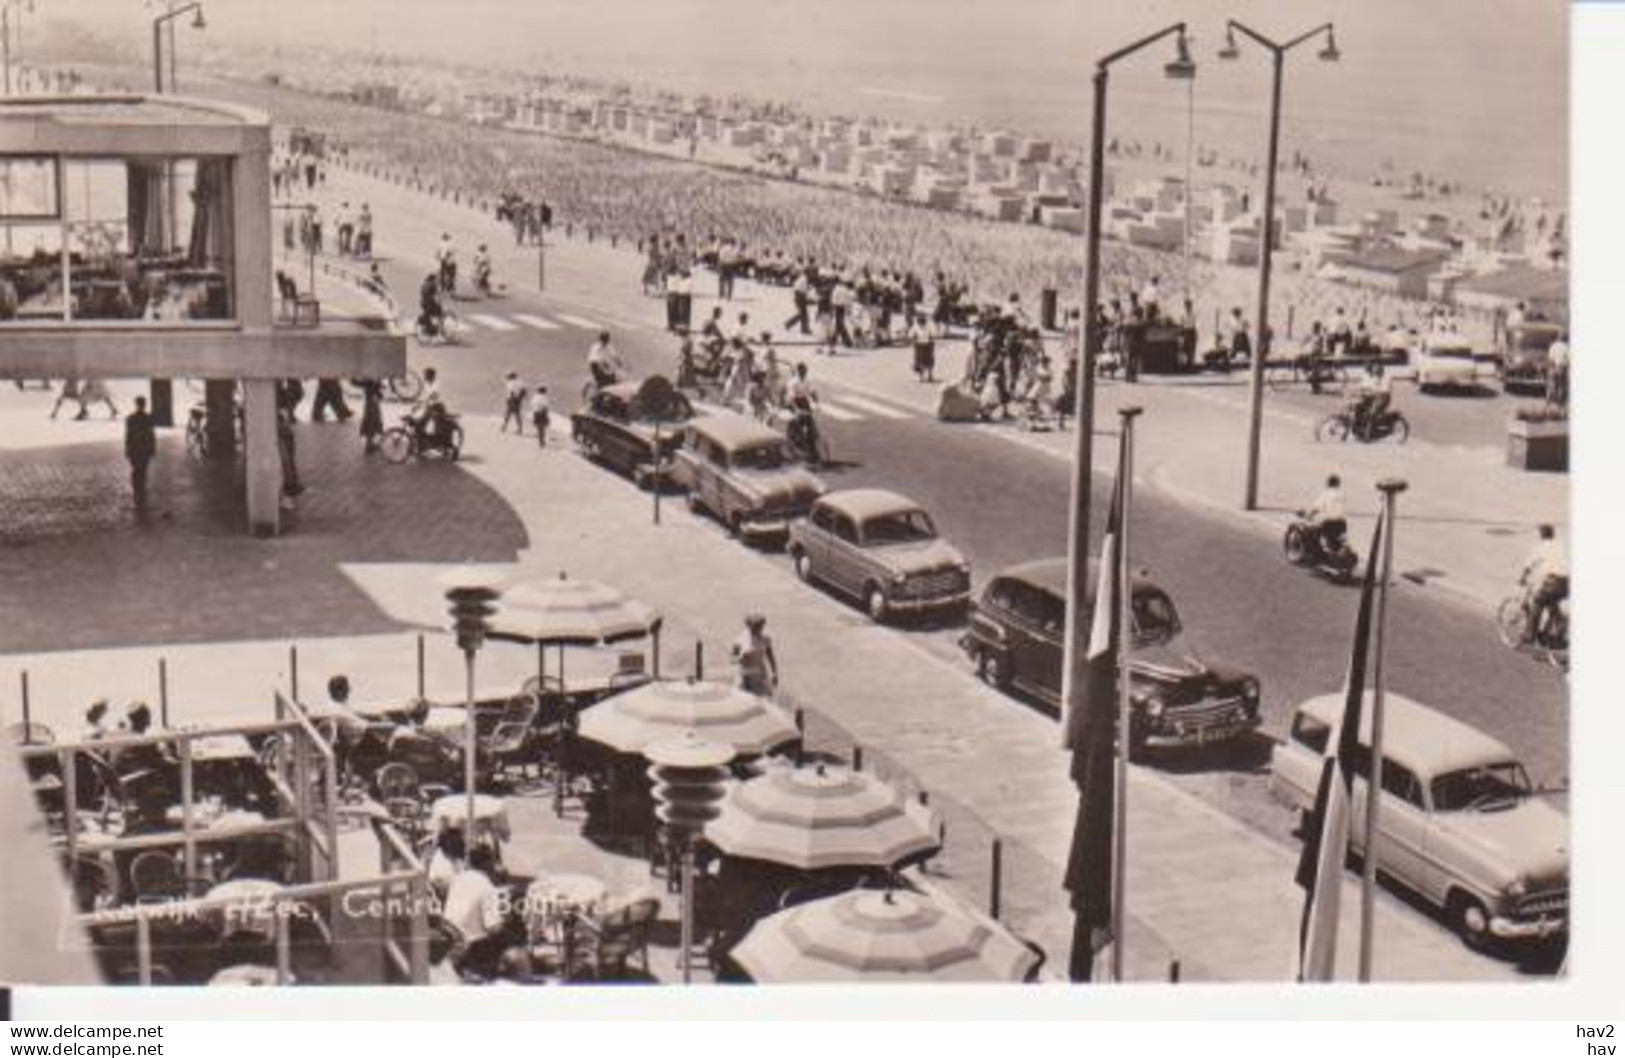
(1009, 880)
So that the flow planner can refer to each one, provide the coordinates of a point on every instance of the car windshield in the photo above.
(899, 527)
(760, 457)
(1469, 788)
(1154, 616)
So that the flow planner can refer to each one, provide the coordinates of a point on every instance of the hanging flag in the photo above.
(1326, 832)
(1090, 729)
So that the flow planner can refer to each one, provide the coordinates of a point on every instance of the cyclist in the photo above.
(1545, 577)
(429, 415)
(604, 364)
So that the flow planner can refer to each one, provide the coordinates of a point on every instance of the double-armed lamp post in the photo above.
(1266, 227)
(1077, 614)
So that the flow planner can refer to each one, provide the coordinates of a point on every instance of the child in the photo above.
(539, 415)
(513, 403)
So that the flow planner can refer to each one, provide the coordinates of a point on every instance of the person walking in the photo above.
(71, 391)
(841, 299)
(540, 415)
(372, 414)
(756, 664)
(925, 355)
(329, 397)
(94, 391)
(801, 292)
(513, 403)
(140, 446)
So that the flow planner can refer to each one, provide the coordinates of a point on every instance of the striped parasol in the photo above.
(819, 817)
(658, 712)
(868, 935)
(565, 612)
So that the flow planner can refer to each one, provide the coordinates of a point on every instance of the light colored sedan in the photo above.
(882, 549)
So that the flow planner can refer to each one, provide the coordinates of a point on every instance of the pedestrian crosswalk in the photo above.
(535, 321)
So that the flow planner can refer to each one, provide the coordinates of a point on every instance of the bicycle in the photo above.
(1515, 622)
(405, 388)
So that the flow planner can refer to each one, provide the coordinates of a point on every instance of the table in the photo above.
(222, 748)
(446, 722)
(490, 815)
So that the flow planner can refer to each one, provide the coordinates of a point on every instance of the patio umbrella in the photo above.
(869, 935)
(658, 712)
(820, 817)
(563, 612)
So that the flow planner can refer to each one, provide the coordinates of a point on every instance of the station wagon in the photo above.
(1459, 823)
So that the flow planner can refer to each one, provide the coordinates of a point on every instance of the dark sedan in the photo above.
(620, 425)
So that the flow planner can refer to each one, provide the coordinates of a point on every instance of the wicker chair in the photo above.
(616, 939)
(155, 878)
(402, 795)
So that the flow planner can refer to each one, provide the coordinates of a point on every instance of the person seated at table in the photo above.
(150, 756)
(475, 905)
(95, 721)
(450, 857)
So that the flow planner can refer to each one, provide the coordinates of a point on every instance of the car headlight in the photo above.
(1154, 707)
(1250, 690)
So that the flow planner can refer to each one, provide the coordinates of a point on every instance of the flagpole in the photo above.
(1125, 641)
(1390, 489)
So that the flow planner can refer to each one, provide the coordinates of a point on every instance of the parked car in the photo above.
(1523, 355)
(1445, 361)
(619, 425)
(881, 549)
(1459, 822)
(1016, 639)
(743, 473)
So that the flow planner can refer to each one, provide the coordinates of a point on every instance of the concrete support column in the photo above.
(262, 461)
(220, 396)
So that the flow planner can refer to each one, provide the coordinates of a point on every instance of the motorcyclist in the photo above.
(1545, 577)
(800, 398)
(1327, 517)
(1373, 400)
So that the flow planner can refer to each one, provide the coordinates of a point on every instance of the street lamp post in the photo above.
(6, 31)
(1266, 231)
(158, 42)
(472, 594)
(1077, 619)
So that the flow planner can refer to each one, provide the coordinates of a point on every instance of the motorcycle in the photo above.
(423, 435)
(1341, 425)
(800, 427)
(1304, 545)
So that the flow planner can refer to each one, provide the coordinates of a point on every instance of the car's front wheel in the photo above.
(803, 565)
(1470, 919)
(992, 669)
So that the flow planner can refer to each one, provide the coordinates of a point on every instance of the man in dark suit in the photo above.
(140, 445)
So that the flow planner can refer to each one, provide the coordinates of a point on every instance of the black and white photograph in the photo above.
(709, 492)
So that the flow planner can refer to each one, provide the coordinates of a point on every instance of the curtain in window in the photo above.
(144, 187)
